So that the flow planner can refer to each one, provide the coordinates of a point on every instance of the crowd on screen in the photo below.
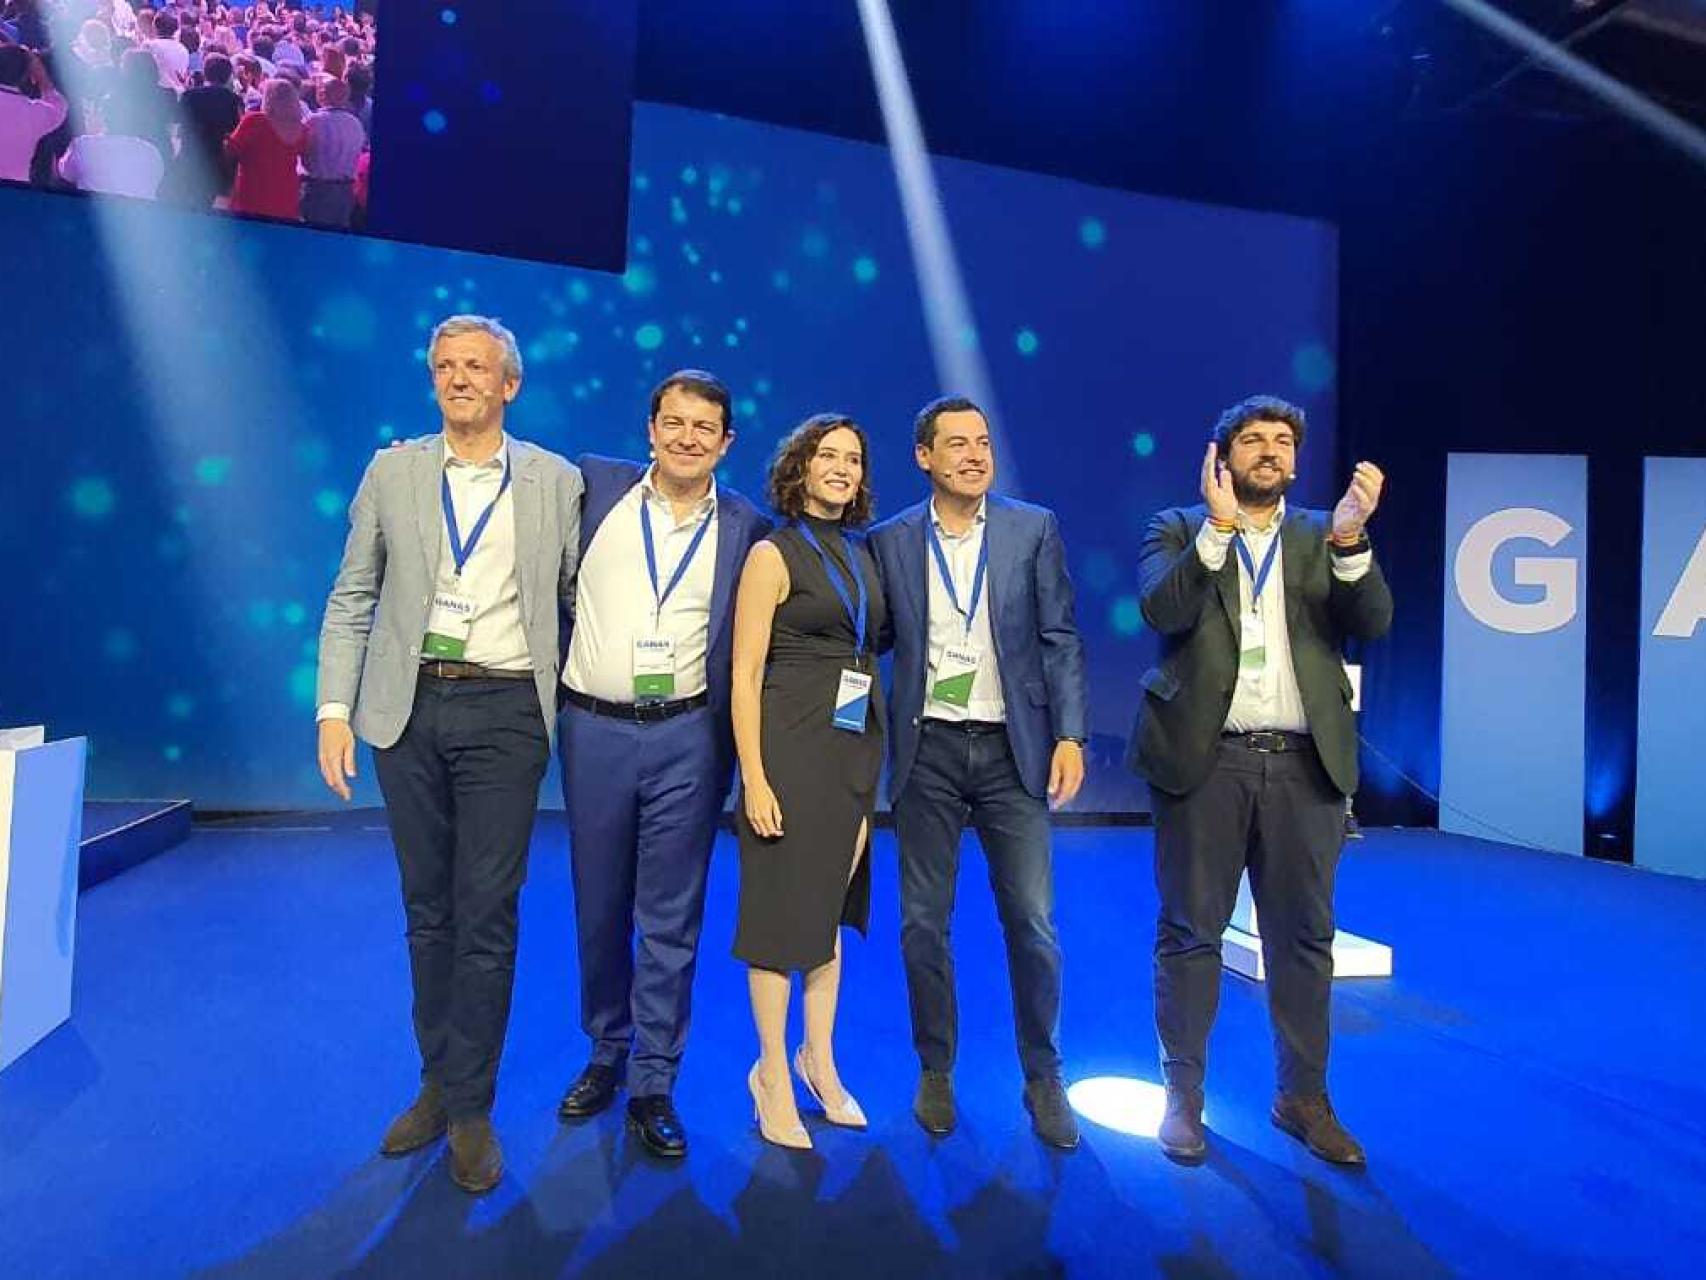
(264, 109)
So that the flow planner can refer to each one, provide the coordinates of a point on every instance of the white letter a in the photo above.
(1686, 608)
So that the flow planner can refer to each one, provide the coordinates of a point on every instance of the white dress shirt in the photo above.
(1267, 698)
(948, 624)
(496, 637)
(615, 605)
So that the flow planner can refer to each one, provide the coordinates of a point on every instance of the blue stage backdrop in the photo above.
(192, 401)
(1672, 719)
(1512, 735)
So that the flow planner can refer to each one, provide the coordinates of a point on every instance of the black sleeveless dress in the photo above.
(794, 890)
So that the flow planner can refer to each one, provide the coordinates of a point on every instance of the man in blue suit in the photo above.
(647, 749)
(988, 711)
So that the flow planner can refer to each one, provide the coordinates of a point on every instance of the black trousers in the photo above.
(461, 788)
(962, 773)
(1278, 814)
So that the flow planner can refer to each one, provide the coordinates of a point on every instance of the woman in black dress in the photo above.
(808, 727)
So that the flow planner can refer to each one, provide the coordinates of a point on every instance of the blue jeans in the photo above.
(967, 772)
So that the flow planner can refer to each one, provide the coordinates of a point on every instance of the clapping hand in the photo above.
(1217, 490)
(1359, 502)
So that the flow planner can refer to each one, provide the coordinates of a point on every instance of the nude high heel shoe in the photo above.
(849, 1114)
(795, 1138)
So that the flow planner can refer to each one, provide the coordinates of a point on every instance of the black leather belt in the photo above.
(445, 669)
(972, 727)
(1270, 740)
(635, 712)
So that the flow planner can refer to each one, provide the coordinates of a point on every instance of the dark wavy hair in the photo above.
(1259, 409)
(787, 484)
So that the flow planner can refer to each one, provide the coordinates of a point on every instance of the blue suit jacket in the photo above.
(1029, 598)
(739, 525)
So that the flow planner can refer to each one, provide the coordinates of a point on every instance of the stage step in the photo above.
(121, 834)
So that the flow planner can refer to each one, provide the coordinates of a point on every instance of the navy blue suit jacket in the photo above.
(739, 525)
(1029, 598)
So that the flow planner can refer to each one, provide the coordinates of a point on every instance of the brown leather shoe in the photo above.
(1310, 1119)
(1181, 1135)
(423, 1122)
(1051, 1113)
(476, 1159)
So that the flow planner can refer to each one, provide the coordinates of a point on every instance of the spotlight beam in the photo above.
(1628, 102)
(960, 367)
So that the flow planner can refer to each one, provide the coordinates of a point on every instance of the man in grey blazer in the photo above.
(439, 649)
(1246, 738)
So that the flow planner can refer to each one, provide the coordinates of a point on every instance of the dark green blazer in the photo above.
(1187, 695)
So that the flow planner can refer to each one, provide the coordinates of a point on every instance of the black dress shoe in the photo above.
(476, 1159)
(933, 1104)
(593, 1090)
(653, 1118)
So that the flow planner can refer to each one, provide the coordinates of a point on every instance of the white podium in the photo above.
(1353, 957)
(1241, 946)
(41, 825)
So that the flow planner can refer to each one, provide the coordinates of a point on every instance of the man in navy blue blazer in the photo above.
(989, 713)
(647, 748)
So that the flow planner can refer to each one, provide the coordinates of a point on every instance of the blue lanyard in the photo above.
(948, 578)
(652, 555)
(460, 551)
(1258, 580)
(858, 616)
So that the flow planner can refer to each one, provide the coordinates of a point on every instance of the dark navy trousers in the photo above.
(644, 801)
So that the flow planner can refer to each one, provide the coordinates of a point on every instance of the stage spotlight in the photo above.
(1120, 1103)
(1632, 105)
(958, 356)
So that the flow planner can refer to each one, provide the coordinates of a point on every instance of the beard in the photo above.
(1253, 491)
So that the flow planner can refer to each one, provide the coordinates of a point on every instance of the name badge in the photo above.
(1252, 643)
(955, 674)
(654, 668)
(853, 701)
(447, 626)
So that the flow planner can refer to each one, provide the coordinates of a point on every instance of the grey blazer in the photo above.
(376, 615)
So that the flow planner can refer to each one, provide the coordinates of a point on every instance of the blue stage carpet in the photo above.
(1531, 1087)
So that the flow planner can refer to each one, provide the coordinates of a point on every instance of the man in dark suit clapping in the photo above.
(1246, 737)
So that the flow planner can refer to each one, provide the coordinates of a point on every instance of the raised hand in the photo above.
(1217, 491)
(1359, 502)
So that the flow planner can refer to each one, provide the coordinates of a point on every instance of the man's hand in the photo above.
(337, 755)
(1065, 773)
(1217, 489)
(1359, 502)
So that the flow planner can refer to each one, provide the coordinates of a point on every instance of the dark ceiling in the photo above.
(1257, 102)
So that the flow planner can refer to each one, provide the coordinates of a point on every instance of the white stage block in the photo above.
(1241, 946)
(41, 825)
